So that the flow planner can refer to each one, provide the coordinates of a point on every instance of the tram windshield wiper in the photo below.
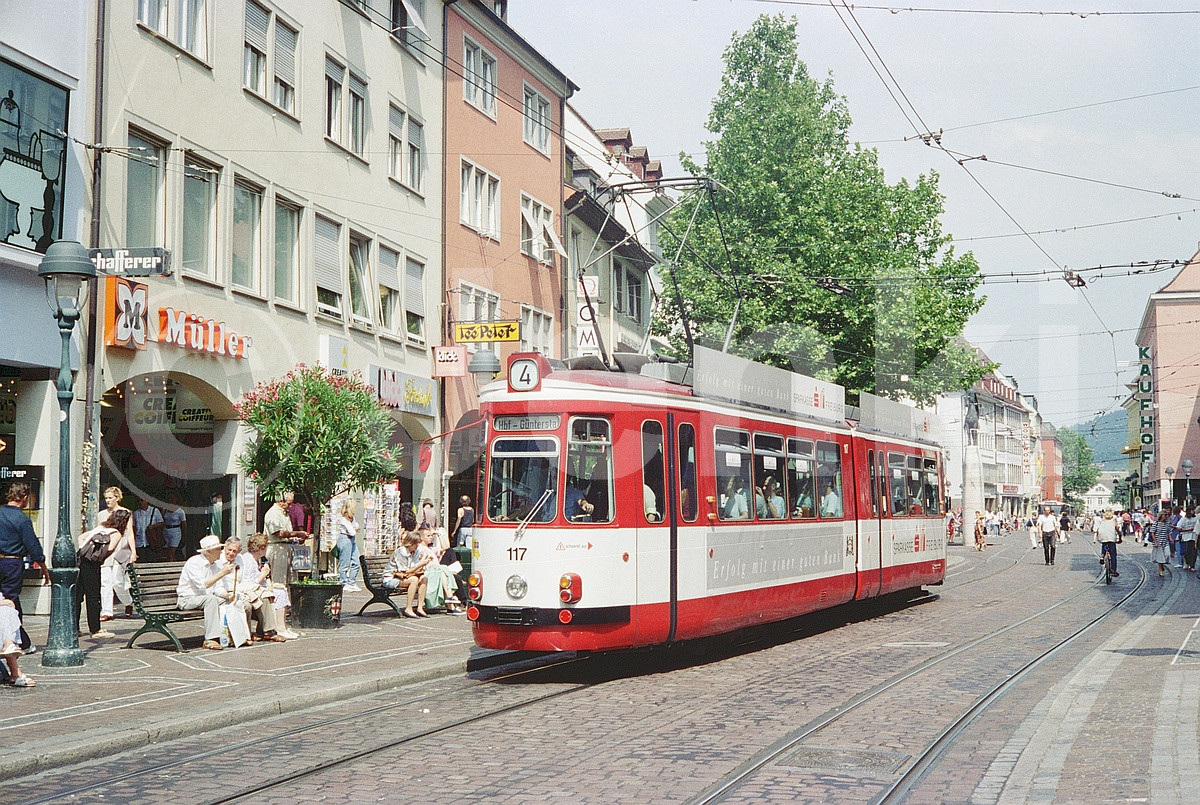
(533, 513)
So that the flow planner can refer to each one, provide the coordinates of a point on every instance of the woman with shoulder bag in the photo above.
(91, 553)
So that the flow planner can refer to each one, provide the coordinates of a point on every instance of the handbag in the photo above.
(95, 549)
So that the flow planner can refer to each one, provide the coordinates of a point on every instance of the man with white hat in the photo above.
(200, 588)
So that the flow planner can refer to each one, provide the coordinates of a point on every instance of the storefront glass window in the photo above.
(32, 158)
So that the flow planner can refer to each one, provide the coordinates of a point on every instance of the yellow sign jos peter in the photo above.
(482, 332)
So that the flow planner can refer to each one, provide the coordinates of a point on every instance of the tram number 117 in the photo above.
(516, 554)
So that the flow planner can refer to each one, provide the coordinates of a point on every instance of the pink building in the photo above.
(1163, 407)
(504, 168)
(1052, 464)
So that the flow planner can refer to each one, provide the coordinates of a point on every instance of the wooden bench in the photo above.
(153, 588)
(372, 573)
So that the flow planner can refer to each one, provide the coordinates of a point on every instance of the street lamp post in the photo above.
(1186, 465)
(66, 270)
(1170, 471)
(1131, 480)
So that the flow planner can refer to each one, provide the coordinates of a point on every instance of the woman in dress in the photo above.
(1162, 542)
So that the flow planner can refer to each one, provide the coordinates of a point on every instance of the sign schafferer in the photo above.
(142, 262)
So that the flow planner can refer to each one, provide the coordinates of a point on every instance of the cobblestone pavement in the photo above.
(668, 726)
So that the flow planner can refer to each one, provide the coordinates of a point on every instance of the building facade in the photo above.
(502, 237)
(1163, 407)
(280, 151)
(44, 84)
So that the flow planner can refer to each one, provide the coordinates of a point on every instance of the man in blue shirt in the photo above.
(18, 541)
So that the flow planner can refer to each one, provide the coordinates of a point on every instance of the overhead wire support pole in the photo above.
(683, 317)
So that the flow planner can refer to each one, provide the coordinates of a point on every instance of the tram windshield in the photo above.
(523, 480)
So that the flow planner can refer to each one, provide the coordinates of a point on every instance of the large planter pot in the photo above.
(316, 606)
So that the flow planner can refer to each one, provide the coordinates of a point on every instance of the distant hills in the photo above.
(1106, 435)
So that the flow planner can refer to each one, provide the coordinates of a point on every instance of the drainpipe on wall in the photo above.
(91, 411)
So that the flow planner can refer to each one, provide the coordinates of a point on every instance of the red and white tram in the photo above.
(617, 509)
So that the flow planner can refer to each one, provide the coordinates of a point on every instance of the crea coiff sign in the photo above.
(127, 324)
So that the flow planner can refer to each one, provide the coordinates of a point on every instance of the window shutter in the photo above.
(415, 136)
(327, 267)
(396, 123)
(414, 290)
(357, 86)
(334, 70)
(389, 269)
(285, 54)
(258, 20)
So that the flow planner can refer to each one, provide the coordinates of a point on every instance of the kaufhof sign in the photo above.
(1145, 401)
(127, 324)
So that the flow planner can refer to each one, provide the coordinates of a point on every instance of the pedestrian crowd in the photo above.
(233, 583)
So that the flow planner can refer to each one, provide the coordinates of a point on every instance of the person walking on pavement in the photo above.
(113, 577)
(465, 522)
(1064, 529)
(1047, 525)
(1031, 524)
(88, 587)
(347, 546)
(1105, 531)
(980, 531)
(1161, 532)
(1187, 537)
(17, 541)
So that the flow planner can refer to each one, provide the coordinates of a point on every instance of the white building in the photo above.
(286, 154)
(44, 82)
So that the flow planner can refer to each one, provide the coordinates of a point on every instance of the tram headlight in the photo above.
(570, 588)
(516, 587)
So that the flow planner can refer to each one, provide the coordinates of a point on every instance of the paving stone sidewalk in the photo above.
(122, 699)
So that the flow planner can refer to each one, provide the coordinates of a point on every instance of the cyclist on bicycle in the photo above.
(1107, 533)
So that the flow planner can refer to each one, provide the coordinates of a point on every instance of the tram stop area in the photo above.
(122, 699)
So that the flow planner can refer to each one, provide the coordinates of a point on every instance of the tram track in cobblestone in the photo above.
(921, 764)
(325, 723)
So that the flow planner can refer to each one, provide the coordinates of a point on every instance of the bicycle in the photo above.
(1108, 558)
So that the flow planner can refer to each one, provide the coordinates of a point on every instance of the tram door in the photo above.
(657, 528)
(870, 524)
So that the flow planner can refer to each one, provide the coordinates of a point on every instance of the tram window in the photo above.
(933, 500)
(769, 460)
(687, 472)
(913, 478)
(897, 484)
(874, 486)
(588, 497)
(801, 483)
(829, 478)
(654, 496)
(522, 480)
(881, 490)
(733, 474)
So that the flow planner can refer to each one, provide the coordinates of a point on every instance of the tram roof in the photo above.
(631, 377)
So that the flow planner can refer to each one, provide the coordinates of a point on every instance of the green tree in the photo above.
(317, 434)
(1079, 470)
(800, 206)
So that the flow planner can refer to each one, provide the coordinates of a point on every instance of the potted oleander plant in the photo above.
(318, 434)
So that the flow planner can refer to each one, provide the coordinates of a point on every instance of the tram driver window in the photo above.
(829, 479)
(589, 489)
(897, 485)
(801, 482)
(733, 474)
(523, 478)
(653, 489)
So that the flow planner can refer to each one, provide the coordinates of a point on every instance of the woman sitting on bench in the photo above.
(406, 570)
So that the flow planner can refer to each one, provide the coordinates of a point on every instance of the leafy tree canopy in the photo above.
(801, 205)
(1079, 470)
(317, 434)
